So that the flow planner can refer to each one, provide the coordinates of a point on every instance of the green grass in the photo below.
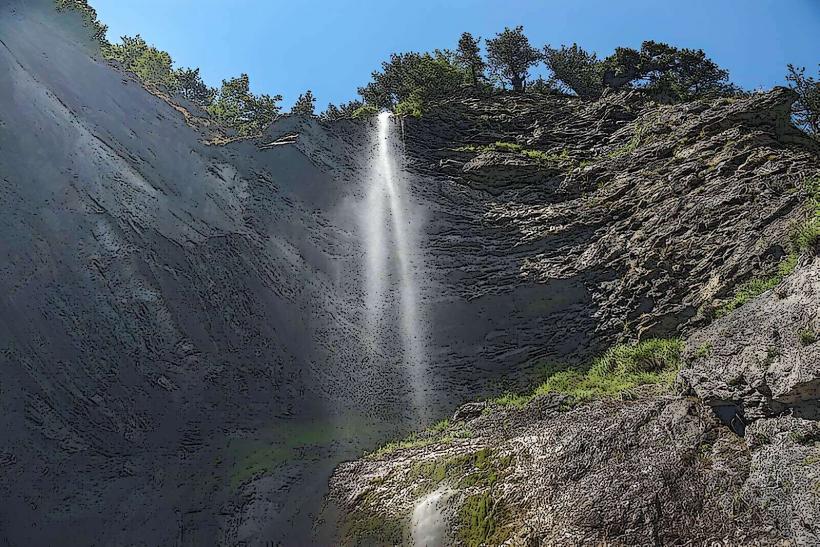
(703, 351)
(807, 337)
(755, 287)
(629, 147)
(807, 234)
(440, 432)
(748, 291)
(804, 236)
(615, 374)
(507, 146)
(414, 440)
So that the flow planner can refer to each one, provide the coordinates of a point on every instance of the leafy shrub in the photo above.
(807, 337)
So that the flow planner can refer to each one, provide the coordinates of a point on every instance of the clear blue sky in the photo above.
(331, 46)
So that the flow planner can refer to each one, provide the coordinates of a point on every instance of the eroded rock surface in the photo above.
(764, 359)
(662, 470)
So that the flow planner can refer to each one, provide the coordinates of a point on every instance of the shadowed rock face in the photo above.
(183, 347)
(182, 341)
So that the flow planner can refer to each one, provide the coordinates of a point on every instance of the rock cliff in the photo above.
(737, 462)
(182, 324)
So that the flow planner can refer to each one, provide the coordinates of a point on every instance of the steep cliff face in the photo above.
(184, 348)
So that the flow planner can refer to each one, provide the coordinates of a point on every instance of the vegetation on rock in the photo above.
(305, 105)
(235, 106)
(615, 374)
(806, 109)
(510, 57)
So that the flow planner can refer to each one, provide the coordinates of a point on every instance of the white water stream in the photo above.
(428, 526)
(393, 254)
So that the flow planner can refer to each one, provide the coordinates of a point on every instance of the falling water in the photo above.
(391, 245)
(428, 525)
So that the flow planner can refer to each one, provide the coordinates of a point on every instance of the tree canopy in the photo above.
(468, 56)
(407, 82)
(235, 106)
(413, 77)
(576, 69)
(510, 57)
(305, 105)
(344, 110)
(667, 73)
(806, 110)
(189, 84)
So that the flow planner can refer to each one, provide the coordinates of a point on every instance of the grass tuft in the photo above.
(807, 337)
(615, 374)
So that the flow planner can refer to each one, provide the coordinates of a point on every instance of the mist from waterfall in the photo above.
(392, 251)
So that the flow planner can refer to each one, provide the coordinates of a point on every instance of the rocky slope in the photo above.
(735, 463)
(183, 345)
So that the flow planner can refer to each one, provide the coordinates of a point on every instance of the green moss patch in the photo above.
(479, 521)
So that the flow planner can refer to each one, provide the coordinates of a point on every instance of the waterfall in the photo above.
(392, 249)
(428, 526)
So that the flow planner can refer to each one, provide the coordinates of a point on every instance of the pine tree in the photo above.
(305, 105)
(468, 56)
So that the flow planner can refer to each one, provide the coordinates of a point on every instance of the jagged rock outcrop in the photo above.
(661, 210)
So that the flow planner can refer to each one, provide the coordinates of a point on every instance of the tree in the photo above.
(344, 110)
(510, 56)
(576, 69)
(468, 56)
(128, 50)
(305, 105)
(239, 109)
(806, 109)
(151, 65)
(189, 84)
(667, 73)
(89, 15)
(154, 67)
(415, 77)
